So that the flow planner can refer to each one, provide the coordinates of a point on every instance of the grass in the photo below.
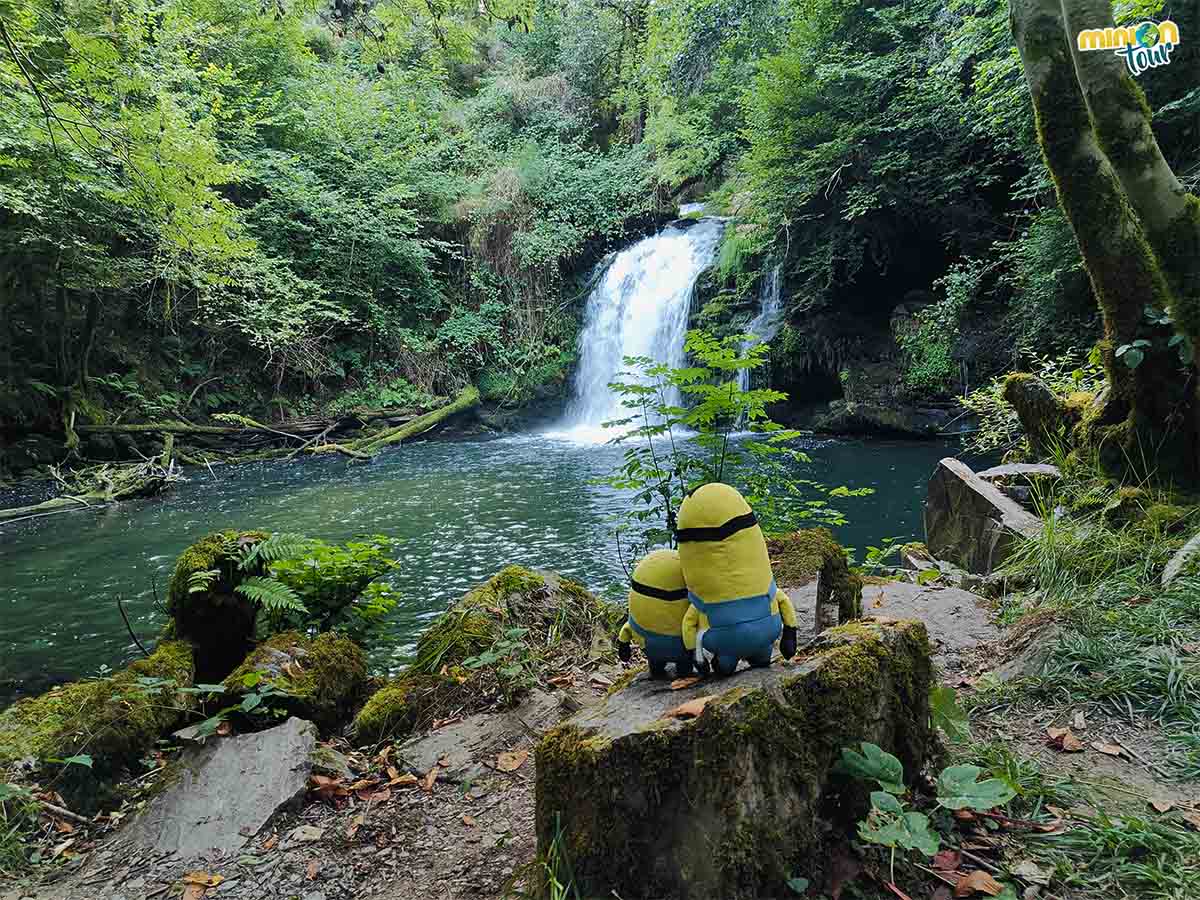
(1127, 650)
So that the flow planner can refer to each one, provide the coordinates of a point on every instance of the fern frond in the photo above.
(281, 545)
(202, 580)
(271, 595)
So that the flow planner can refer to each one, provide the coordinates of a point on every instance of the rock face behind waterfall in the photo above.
(730, 803)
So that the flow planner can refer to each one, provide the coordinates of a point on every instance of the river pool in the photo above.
(462, 509)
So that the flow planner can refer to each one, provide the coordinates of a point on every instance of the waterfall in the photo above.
(767, 322)
(639, 308)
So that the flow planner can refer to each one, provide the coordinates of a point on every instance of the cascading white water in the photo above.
(764, 325)
(639, 308)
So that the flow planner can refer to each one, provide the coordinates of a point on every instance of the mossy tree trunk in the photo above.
(1138, 232)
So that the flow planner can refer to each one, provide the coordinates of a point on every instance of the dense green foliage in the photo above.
(295, 208)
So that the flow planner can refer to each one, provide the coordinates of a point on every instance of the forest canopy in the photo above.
(283, 208)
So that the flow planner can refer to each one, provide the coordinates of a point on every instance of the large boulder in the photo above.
(490, 647)
(647, 802)
(325, 678)
(969, 522)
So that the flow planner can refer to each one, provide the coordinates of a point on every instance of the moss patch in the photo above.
(558, 618)
(325, 677)
(112, 719)
(797, 558)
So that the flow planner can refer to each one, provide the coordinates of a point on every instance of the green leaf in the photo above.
(874, 763)
(1133, 357)
(798, 884)
(947, 714)
(81, 760)
(885, 802)
(909, 831)
(958, 788)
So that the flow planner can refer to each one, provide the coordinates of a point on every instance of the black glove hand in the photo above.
(703, 669)
(625, 652)
(787, 643)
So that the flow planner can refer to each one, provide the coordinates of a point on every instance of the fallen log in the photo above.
(466, 399)
(103, 484)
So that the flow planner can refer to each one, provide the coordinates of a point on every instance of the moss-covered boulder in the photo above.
(113, 720)
(801, 556)
(1044, 418)
(490, 647)
(205, 607)
(649, 803)
(324, 677)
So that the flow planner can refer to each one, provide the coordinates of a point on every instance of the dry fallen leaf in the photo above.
(1079, 722)
(1063, 739)
(1193, 819)
(355, 824)
(942, 893)
(312, 870)
(406, 780)
(380, 796)
(680, 683)
(1028, 870)
(270, 842)
(1139, 600)
(1190, 648)
(562, 680)
(469, 821)
(977, 882)
(692, 708)
(327, 788)
(384, 756)
(1108, 749)
(1161, 805)
(601, 680)
(947, 860)
(429, 779)
(204, 879)
(225, 729)
(511, 760)
(193, 892)
(63, 827)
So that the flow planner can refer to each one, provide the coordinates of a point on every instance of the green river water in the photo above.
(462, 510)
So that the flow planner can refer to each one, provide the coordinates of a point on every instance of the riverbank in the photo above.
(1093, 742)
(456, 506)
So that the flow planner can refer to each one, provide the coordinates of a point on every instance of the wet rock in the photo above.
(969, 522)
(222, 792)
(851, 417)
(1187, 554)
(726, 804)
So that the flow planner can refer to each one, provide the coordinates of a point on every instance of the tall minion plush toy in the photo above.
(736, 611)
(658, 601)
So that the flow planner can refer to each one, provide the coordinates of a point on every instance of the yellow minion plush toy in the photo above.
(658, 600)
(736, 611)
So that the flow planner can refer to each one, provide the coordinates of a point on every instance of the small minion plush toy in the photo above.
(658, 600)
(736, 611)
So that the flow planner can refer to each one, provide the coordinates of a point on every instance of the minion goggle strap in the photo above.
(657, 593)
(717, 532)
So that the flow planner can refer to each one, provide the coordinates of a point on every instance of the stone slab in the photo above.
(226, 789)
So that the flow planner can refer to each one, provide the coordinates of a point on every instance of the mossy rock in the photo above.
(562, 618)
(114, 720)
(1044, 417)
(1126, 506)
(1167, 520)
(217, 620)
(799, 557)
(325, 677)
(731, 803)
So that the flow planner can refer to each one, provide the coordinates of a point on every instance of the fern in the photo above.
(199, 582)
(272, 549)
(274, 596)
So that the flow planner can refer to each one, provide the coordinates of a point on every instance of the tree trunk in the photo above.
(89, 337)
(1149, 420)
